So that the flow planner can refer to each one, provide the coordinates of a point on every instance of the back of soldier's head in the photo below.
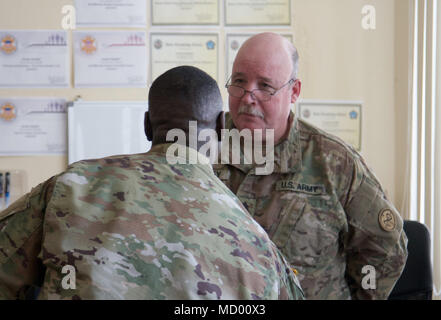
(180, 95)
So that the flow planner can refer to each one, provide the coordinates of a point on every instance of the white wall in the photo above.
(339, 60)
(342, 61)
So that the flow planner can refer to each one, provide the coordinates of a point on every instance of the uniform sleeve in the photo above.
(20, 243)
(376, 245)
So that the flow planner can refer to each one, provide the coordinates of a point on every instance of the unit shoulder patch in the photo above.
(387, 220)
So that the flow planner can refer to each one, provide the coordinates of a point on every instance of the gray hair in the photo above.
(294, 58)
(295, 63)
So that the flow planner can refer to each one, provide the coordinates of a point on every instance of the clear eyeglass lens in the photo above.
(262, 95)
(239, 92)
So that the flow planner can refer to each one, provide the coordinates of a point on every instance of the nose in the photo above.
(249, 97)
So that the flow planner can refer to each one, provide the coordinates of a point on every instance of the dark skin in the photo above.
(160, 136)
(181, 95)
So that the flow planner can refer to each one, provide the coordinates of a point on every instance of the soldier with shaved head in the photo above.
(321, 205)
(137, 227)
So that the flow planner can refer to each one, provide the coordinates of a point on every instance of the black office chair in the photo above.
(416, 281)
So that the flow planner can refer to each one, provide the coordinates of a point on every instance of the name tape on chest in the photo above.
(291, 185)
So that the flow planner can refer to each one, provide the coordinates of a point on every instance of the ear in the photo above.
(220, 124)
(296, 88)
(148, 127)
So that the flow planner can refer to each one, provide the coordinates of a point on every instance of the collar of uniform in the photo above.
(190, 153)
(287, 153)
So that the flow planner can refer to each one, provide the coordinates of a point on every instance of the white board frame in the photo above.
(98, 129)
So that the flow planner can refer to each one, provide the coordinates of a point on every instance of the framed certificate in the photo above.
(110, 59)
(233, 44)
(169, 50)
(262, 12)
(340, 118)
(34, 59)
(185, 12)
(32, 126)
(111, 13)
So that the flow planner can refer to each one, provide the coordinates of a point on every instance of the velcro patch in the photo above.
(291, 185)
(387, 220)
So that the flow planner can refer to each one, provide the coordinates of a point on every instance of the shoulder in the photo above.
(330, 146)
(327, 143)
(325, 153)
(344, 165)
(117, 164)
(122, 161)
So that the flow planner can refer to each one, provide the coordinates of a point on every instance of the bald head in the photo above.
(269, 44)
(180, 95)
(266, 62)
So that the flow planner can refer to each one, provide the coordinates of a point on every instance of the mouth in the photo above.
(250, 112)
(250, 115)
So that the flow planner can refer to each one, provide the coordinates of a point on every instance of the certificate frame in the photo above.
(107, 24)
(40, 109)
(153, 34)
(356, 106)
(100, 35)
(217, 23)
(227, 43)
(67, 59)
(229, 24)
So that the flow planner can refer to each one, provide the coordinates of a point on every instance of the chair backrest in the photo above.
(416, 281)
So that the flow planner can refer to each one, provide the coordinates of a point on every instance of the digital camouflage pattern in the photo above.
(323, 208)
(135, 227)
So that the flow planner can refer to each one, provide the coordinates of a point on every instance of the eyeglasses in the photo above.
(258, 94)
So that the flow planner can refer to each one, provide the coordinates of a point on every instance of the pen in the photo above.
(7, 187)
(1, 190)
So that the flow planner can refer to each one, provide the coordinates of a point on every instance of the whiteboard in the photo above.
(99, 129)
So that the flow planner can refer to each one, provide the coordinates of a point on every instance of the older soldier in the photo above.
(321, 205)
(137, 227)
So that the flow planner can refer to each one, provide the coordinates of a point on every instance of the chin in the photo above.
(249, 122)
(249, 125)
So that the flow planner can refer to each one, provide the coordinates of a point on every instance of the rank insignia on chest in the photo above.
(291, 185)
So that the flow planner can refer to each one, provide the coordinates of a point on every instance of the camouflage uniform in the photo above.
(135, 227)
(327, 213)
